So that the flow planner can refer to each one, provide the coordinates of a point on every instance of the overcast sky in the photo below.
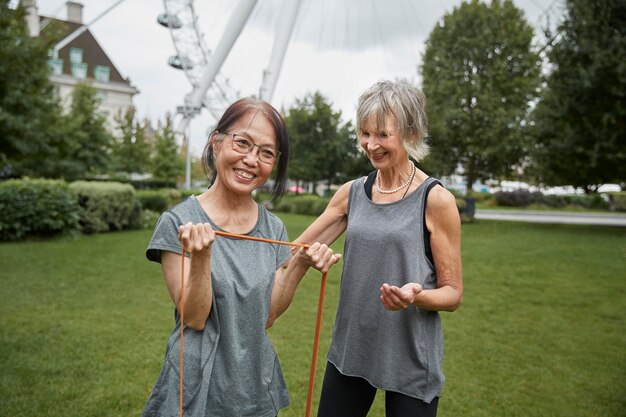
(338, 47)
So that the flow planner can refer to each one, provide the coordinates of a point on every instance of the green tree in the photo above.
(581, 119)
(303, 141)
(320, 143)
(31, 126)
(167, 163)
(131, 151)
(479, 76)
(89, 143)
(357, 163)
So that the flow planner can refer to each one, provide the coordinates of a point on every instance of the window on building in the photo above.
(76, 55)
(56, 65)
(79, 70)
(102, 73)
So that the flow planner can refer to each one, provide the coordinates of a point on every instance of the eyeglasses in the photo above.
(243, 145)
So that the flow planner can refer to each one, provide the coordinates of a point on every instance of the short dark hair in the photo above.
(231, 115)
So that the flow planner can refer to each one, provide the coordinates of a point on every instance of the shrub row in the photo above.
(47, 207)
(524, 198)
(37, 207)
(311, 204)
(106, 206)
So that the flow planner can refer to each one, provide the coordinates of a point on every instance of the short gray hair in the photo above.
(406, 103)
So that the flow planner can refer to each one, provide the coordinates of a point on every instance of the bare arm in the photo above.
(332, 222)
(287, 279)
(444, 224)
(324, 231)
(197, 240)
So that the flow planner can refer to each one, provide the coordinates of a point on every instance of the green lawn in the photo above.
(541, 332)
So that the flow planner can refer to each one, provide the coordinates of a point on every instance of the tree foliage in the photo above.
(131, 150)
(581, 119)
(89, 146)
(167, 163)
(321, 143)
(356, 162)
(479, 76)
(31, 125)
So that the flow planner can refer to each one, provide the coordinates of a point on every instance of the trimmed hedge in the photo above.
(302, 204)
(617, 201)
(309, 204)
(517, 198)
(152, 184)
(154, 200)
(524, 198)
(106, 205)
(37, 207)
(588, 201)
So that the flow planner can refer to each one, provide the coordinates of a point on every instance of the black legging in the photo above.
(351, 396)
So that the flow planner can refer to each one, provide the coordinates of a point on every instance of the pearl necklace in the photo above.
(395, 190)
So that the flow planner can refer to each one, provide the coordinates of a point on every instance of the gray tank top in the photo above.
(399, 351)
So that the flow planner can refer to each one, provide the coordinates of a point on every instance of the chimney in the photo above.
(74, 12)
(32, 17)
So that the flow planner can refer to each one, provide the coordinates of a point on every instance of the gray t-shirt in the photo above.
(230, 368)
(399, 351)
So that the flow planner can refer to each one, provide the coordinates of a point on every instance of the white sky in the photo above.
(338, 47)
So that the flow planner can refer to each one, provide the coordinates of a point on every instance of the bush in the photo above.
(311, 204)
(135, 217)
(524, 198)
(152, 184)
(155, 200)
(517, 198)
(106, 205)
(555, 201)
(284, 206)
(589, 201)
(148, 219)
(617, 201)
(36, 207)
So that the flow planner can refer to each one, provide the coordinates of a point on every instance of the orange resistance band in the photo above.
(318, 323)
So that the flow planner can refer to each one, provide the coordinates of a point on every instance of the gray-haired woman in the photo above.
(402, 264)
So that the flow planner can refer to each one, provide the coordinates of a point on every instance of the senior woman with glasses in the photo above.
(234, 289)
(402, 265)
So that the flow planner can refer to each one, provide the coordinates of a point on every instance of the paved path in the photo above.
(538, 216)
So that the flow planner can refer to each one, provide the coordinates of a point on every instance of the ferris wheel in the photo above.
(209, 88)
(192, 56)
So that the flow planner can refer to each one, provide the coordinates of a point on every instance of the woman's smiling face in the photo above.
(244, 172)
(382, 144)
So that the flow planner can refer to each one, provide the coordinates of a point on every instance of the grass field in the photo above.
(541, 332)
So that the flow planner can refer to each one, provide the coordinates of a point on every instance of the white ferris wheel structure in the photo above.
(209, 88)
